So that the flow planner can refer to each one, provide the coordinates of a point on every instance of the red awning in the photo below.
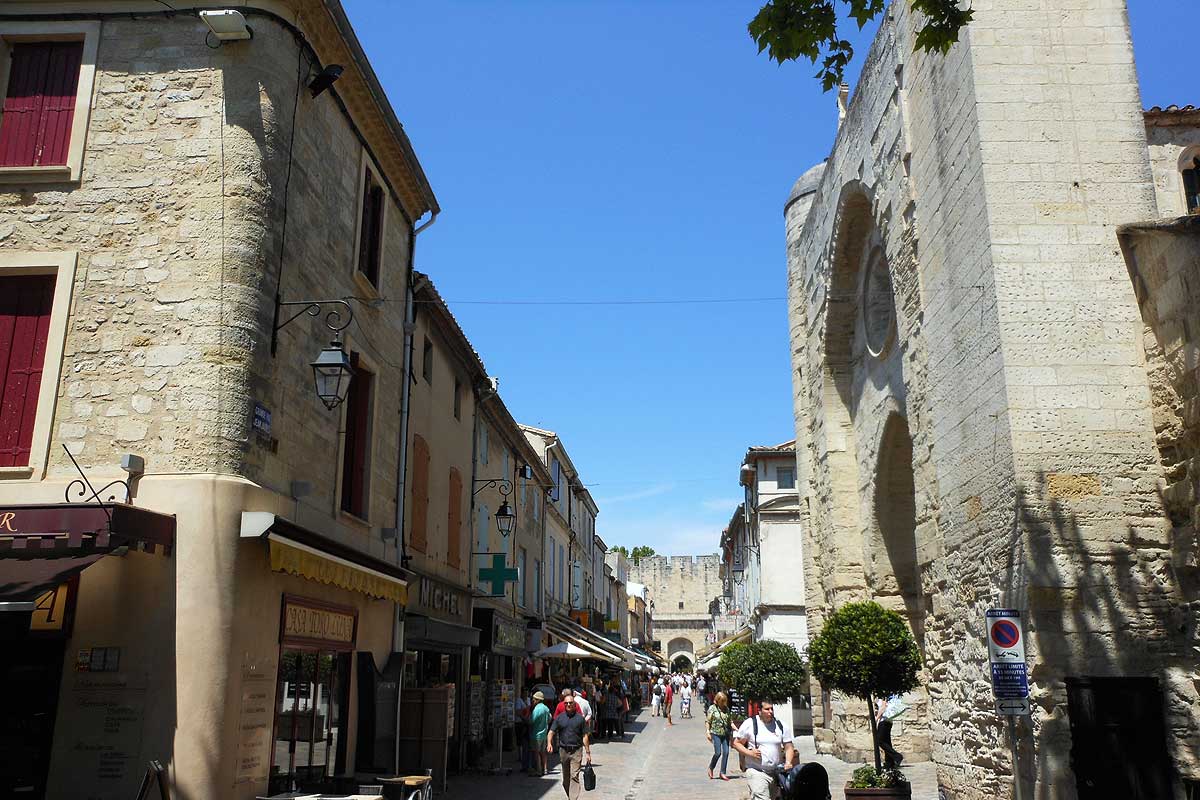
(43, 545)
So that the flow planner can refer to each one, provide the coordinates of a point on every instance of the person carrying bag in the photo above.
(767, 747)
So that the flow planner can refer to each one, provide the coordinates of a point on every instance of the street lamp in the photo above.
(332, 370)
(505, 518)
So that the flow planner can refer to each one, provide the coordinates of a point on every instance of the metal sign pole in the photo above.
(1012, 743)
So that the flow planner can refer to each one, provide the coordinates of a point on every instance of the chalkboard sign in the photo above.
(737, 704)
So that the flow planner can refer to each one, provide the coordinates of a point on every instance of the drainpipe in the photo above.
(410, 327)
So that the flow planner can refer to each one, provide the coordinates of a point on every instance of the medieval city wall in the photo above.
(998, 449)
(694, 582)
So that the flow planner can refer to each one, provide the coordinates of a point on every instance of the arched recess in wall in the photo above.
(853, 231)
(894, 569)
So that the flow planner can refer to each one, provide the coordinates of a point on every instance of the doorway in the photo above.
(1118, 739)
(30, 672)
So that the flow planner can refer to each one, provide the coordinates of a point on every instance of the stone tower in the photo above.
(973, 417)
(682, 589)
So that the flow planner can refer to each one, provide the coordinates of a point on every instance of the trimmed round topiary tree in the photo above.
(765, 670)
(867, 652)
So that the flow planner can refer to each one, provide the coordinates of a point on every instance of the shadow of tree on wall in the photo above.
(1098, 606)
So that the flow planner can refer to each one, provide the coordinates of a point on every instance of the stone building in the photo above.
(682, 589)
(151, 217)
(983, 419)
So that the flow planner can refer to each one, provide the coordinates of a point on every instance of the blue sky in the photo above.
(621, 150)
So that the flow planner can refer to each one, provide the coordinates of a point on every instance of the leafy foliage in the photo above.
(866, 651)
(791, 29)
(765, 670)
(867, 777)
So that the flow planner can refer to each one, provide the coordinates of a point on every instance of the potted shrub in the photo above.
(867, 652)
(765, 670)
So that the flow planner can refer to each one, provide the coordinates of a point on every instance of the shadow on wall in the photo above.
(1102, 608)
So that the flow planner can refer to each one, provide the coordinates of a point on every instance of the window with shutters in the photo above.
(454, 518)
(47, 72)
(356, 448)
(419, 500)
(371, 218)
(35, 293)
(25, 302)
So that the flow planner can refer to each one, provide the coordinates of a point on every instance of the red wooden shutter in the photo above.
(25, 303)
(454, 521)
(35, 129)
(354, 456)
(420, 494)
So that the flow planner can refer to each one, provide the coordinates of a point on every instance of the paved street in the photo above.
(659, 763)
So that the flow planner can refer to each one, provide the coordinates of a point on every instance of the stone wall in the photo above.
(178, 221)
(984, 439)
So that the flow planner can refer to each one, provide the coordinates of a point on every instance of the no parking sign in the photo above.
(1006, 651)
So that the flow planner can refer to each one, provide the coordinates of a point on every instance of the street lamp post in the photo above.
(332, 370)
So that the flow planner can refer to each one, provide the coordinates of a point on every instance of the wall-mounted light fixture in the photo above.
(332, 370)
(325, 78)
(505, 518)
(226, 25)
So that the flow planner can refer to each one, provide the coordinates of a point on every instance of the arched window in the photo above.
(1191, 182)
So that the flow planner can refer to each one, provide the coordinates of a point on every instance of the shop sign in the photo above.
(612, 625)
(309, 622)
(581, 617)
(509, 635)
(438, 599)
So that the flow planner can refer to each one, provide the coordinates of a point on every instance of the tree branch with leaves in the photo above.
(792, 29)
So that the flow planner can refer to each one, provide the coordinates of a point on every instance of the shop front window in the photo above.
(309, 719)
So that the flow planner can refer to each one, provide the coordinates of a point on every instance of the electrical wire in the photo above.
(671, 302)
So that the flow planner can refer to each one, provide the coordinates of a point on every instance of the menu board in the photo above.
(105, 737)
(737, 704)
(475, 701)
(450, 687)
(254, 727)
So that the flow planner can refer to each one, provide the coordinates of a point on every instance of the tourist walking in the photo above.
(539, 725)
(718, 723)
(657, 698)
(668, 702)
(614, 707)
(885, 712)
(701, 685)
(767, 747)
(569, 732)
(685, 702)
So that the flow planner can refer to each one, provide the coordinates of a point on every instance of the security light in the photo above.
(227, 25)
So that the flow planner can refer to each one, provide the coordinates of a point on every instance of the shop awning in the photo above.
(614, 652)
(570, 632)
(42, 546)
(427, 633)
(302, 552)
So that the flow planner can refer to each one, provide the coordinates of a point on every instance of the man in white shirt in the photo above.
(585, 707)
(767, 746)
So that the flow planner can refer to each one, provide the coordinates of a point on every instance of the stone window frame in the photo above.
(367, 166)
(87, 31)
(1187, 163)
(63, 266)
(371, 366)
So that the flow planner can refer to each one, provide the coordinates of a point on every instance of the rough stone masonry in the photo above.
(973, 416)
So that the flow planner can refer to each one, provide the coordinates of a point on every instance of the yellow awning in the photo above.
(296, 558)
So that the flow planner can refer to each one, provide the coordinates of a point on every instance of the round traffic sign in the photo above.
(1005, 634)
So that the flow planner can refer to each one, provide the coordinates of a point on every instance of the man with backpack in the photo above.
(767, 747)
(656, 701)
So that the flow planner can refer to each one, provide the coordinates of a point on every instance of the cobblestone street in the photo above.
(659, 763)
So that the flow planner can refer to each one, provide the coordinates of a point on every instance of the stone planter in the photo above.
(897, 792)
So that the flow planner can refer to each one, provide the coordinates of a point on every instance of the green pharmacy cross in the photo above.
(498, 575)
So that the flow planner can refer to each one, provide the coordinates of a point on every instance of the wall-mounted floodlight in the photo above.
(325, 78)
(226, 25)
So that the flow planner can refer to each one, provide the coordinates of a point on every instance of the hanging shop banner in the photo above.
(1006, 652)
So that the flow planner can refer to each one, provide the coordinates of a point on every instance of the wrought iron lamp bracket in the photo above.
(504, 484)
(313, 308)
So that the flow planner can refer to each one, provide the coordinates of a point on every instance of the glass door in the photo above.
(308, 719)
